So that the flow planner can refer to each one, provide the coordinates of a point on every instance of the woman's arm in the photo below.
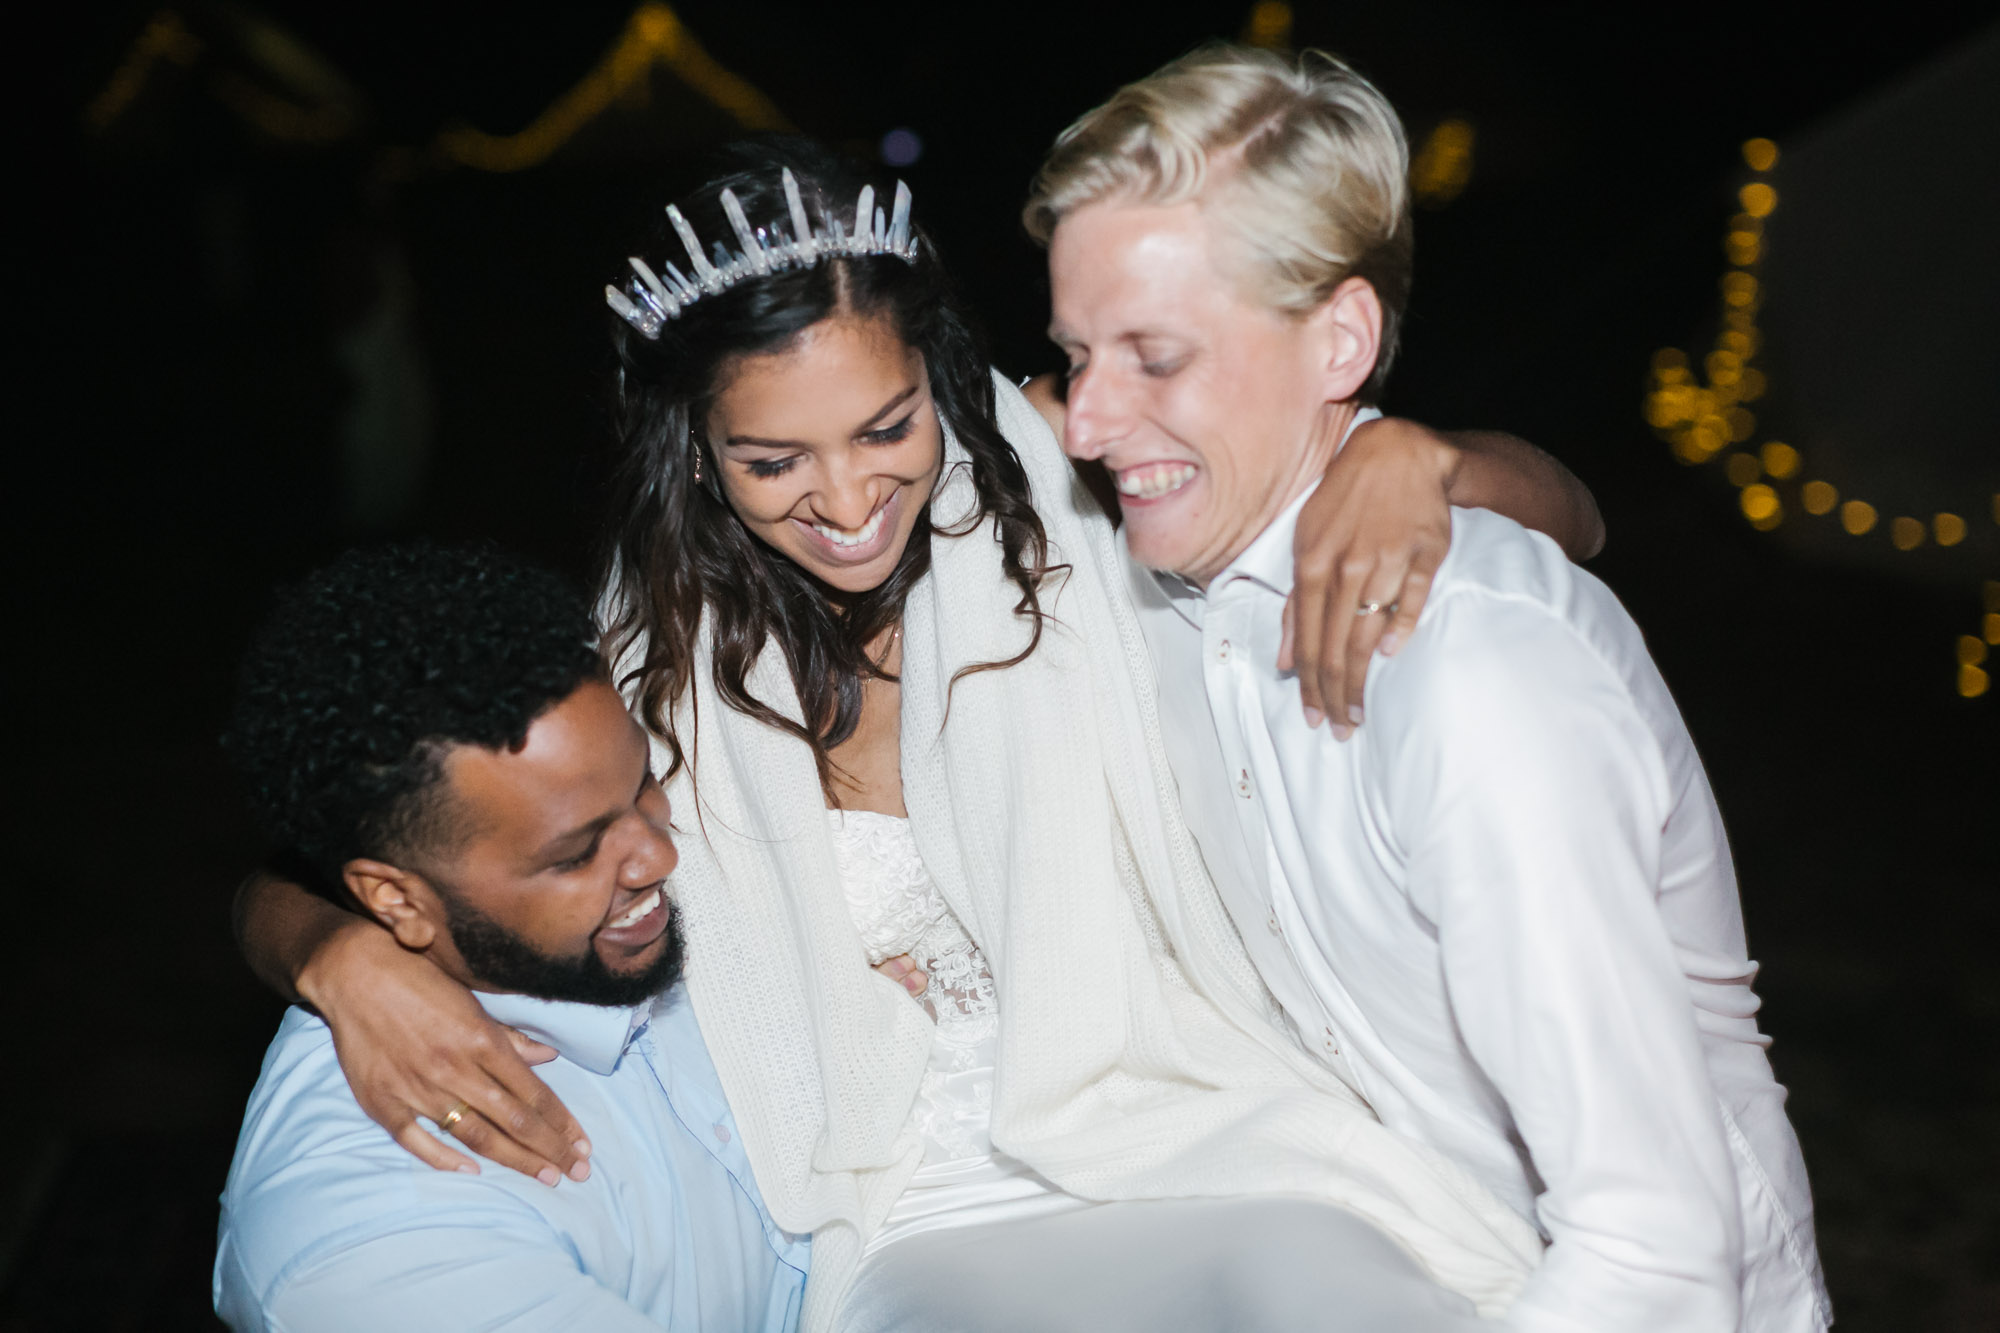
(1378, 527)
(412, 1041)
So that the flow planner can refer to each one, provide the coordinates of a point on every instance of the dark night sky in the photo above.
(176, 410)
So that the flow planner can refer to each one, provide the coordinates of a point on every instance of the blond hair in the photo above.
(1301, 163)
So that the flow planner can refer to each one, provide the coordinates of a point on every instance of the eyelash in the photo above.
(777, 467)
(578, 862)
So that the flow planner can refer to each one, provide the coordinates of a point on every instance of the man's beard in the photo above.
(502, 960)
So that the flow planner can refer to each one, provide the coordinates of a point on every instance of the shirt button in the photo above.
(1272, 922)
(1222, 651)
(722, 1133)
(1331, 1048)
(1243, 783)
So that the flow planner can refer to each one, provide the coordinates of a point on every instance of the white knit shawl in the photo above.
(1138, 1056)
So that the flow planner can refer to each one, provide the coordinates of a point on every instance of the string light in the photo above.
(1701, 418)
(653, 36)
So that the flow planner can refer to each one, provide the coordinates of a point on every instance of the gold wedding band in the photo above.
(454, 1115)
(1370, 608)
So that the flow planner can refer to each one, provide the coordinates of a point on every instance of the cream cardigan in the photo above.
(1139, 1055)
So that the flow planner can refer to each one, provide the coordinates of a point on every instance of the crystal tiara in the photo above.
(650, 300)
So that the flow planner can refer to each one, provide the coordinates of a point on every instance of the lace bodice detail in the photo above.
(897, 909)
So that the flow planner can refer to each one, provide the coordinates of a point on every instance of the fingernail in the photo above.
(581, 1171)
(547, 1175)
(467, 1168)
(1354, 714)
(1341, 733)
(1314, 717)
(1390, 643)
(582, 1147)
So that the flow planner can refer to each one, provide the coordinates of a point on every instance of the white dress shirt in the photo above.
(327, 1224)
(1505, 911)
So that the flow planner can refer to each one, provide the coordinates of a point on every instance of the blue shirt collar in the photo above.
(592, 1036)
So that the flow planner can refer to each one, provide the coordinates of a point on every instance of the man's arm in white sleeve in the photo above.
(1529, 798)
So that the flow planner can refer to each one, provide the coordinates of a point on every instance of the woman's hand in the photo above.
(903, 970)
(1369, 541)
(413, 1042)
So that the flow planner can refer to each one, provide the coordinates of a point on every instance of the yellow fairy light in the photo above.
(1739, 289)
(1760, 504)
(1270, 25)
(1972, 682)
(1818, 497)
(1780, 460)
(1949, 529)
(1907, 533)
(1991, 626)
(1857, 516)
(1669, 358)
(1971, 650)
(1742, 424)
(1761, 154)
(1758, 199)
(1742, 469)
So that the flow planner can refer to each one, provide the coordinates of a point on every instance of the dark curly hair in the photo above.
(677, 547)
(371, 669)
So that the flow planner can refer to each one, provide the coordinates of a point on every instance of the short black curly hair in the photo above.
(369, 670)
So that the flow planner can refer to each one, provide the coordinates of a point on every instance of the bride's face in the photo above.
(829, 449)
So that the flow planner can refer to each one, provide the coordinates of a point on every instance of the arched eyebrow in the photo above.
(864, 428)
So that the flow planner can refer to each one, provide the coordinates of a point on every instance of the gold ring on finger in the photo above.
(454, 1115)
(1370, 608)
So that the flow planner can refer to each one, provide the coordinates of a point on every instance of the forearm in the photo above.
(281, 926)
(1508, 475)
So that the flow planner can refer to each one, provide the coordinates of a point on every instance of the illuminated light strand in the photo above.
(653, 35)
(1702, 419)
(165, 37)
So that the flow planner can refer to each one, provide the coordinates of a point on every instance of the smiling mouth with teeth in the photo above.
(1150, 481)
(646, 904)
(865, 534)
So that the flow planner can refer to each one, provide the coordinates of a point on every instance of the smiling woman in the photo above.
(830, 448)
(822, 394)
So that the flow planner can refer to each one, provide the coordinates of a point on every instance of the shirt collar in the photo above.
(593, 1036)
(1268, 560)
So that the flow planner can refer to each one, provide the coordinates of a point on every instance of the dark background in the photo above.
(188, 319)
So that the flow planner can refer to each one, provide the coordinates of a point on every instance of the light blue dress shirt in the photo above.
(327, 1224)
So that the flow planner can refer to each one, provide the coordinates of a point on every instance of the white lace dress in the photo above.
(897, 909)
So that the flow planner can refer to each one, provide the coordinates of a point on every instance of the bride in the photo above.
(879, 633)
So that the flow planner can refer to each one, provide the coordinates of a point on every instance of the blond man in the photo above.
(1504, 910)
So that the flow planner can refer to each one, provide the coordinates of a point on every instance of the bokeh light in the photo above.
(1857, 516)
(1949, 529)
(1907, 533)
(902, 147)
(1972, 682)
(1780, 460)
(1742, 469)
(1818, 497)
(1761, 154)
(1758, 199)
(1760, 505)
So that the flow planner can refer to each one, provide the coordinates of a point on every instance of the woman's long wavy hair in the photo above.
(676, 545)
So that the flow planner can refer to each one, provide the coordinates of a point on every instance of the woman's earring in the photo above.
(697, 465)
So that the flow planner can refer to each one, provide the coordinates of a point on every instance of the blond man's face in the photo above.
(1205, 406)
